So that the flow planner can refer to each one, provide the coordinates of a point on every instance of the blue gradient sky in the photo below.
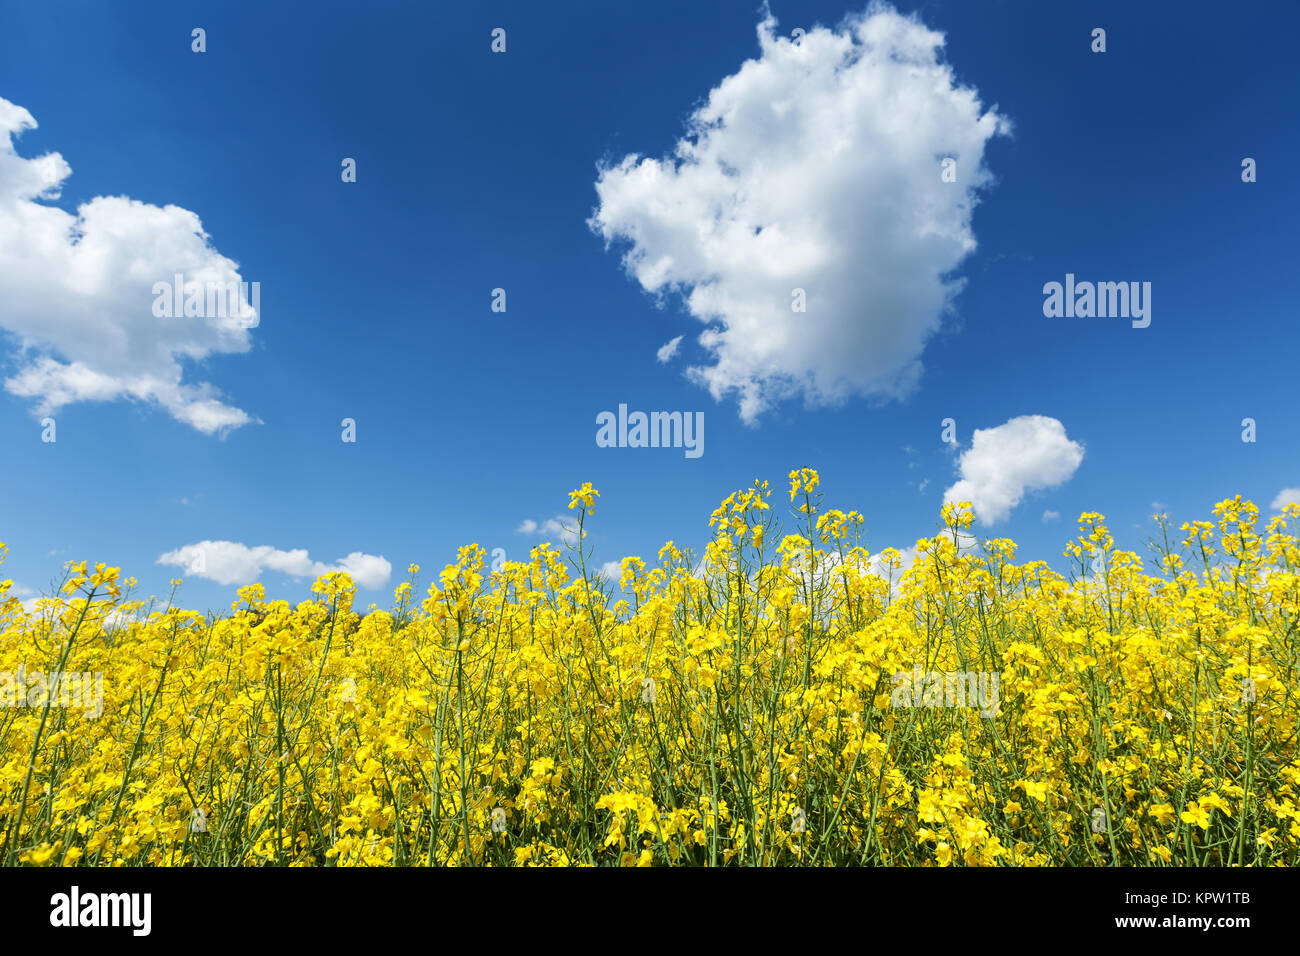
(477, 171)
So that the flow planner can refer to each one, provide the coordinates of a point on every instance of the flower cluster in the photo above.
(733, 708)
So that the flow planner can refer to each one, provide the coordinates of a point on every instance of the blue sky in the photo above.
(478, 170)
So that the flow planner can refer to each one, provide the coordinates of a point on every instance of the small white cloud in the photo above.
(1287, 496)
(1026, 454)
(668, 349)
(229, 562)
(1049, 516)
(557, 529)
(612, 570)
(79, 294)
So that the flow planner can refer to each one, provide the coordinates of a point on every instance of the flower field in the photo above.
(753, 706)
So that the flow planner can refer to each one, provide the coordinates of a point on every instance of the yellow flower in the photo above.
(1213, 801)
(743, 686)
(40, 855)
(1036, 789)
(586, 496)
(1196, 814)
(1162, 813)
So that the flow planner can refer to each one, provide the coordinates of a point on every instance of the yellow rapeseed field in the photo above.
(773, 702)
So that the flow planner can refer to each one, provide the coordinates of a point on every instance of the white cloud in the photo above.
(668, 349)
(612, 570)
(229, 562)
(1028, 453)
(78, 294)
(554, 528)
(815, 166)
(829, 562)
(1049, 516)
(877, 566)
(27, 597)
(1287, 496)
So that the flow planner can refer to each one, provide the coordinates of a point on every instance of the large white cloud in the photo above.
(1028, 453)
(78, 294)
(815, 166)
(229, 562)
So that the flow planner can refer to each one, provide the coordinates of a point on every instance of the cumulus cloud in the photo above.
(816, 166)
(1026, 454)
(229, 562)
(557, 529)
(669, 349)
(1287, 496)
(79, 294)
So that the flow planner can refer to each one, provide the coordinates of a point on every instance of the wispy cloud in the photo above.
(668, 350)
(556, 529)
(229, 562)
